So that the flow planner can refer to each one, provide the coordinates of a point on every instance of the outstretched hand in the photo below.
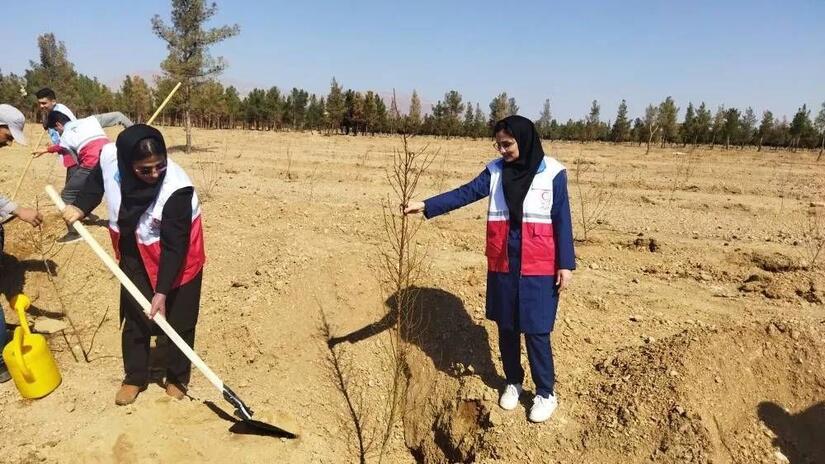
(413, 207)
(29, 215)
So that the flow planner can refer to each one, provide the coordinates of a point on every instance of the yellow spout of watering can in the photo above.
(27, 356)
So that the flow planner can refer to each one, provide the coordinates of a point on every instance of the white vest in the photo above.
(79, 132)
(539, 199)
(148, 230)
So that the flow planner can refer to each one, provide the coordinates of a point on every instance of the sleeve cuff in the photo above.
(8, 209)
(426, 209)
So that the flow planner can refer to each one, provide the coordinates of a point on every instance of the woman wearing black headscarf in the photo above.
(529, 253)
(156, 230)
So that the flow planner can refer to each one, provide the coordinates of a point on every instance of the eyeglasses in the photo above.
(147, 170)
(505, 145)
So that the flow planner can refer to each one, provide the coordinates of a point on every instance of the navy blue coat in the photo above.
(527, 304)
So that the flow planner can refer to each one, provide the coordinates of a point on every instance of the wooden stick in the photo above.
(159, 319)
(26, 169)
(157, 111)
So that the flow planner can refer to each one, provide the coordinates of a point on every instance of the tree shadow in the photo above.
(801, 437)
(40, 312)
(440, 326)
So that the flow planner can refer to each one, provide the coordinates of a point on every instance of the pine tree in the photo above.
(668, 113)
(208, 105)
(54, 71)
(295, 107)
(414, 115)
(638, 131)
(718, 127)
(544, 121)
(747, 124)
(480, 122)
(370, 112)
(188, 44)
(730, 126)
(621, 128)
(336, 107)
(315, 113)
(781, 133)
(468, 126)
(92, 96)
(512, 107)
(381, 124)
(765, 129)
(255, 109)
(689, 125)
(651, 124)
(394, 117)
(136, 98)
(13, 90)
(702, 126)
(592, 122)
(819, 123)
(233, 106)
(800, 127)
(499, 109)
(453, 107)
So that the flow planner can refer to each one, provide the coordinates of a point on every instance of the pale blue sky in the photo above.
(768, 54)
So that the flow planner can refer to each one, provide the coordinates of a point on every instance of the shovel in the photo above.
(242, 411)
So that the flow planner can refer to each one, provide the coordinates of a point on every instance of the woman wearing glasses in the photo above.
(529, 253)
(156, 230)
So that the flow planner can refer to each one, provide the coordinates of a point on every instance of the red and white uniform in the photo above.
(148, 229)
(81, 142)
(538, 248)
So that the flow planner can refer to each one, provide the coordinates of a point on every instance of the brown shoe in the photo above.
(176, 391)
(127, 394)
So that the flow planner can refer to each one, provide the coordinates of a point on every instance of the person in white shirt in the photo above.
(47, 100)
(81, 141)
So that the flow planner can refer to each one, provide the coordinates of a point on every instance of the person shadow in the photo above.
(13, 273)
(440, 326)
(800, 437)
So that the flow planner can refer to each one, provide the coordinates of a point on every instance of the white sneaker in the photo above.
(543, 408)
(509, 399)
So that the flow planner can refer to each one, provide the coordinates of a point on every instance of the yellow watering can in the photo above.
(28, 358)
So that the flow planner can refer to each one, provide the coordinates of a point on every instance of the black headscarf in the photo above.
(518, 175)
(135, 195)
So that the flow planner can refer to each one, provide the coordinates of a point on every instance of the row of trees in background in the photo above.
(347, 111)
(660, 125)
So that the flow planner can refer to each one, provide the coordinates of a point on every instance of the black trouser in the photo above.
(135, 345)
(75, 180)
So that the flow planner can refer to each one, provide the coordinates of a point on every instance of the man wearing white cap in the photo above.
(11, 130)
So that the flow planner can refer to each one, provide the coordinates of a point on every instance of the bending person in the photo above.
(156, 230)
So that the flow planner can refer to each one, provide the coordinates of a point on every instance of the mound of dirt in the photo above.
(774, 262)
(696, 396)
(703, 395)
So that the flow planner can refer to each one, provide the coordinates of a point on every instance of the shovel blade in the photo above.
(243, 413)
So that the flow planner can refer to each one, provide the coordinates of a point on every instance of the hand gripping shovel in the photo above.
(242, 411)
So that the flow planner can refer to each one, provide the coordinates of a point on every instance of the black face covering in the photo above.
(518, 175)
(135, 195)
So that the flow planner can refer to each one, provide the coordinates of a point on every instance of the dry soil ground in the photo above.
(693, 331)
